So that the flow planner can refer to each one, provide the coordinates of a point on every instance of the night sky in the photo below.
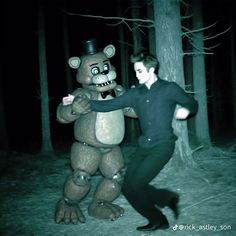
(20, 73)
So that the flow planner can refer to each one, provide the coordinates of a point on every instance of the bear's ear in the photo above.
(109, 50)
(74, 62)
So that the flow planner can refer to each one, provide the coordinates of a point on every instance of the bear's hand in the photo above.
(81, 105)
(119, 90)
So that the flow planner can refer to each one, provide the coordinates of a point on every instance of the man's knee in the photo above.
(125, 187)
(130, 188)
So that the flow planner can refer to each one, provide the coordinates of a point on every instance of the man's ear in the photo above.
(152, 70)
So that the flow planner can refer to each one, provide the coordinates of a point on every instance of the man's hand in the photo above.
(81, 105)
(181, 113)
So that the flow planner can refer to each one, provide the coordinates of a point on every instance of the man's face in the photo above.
(142, 74)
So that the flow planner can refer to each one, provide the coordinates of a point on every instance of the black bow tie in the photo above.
(106, 93)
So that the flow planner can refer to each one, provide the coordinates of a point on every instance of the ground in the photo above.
(31, 185)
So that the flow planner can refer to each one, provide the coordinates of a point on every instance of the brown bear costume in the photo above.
(97, 138)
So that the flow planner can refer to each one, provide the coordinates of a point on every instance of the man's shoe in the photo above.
(152, 227)
(174, 206)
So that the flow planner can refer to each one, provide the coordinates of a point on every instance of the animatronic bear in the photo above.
(97, 136)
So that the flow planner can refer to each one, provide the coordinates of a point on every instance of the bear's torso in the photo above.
(100, 129)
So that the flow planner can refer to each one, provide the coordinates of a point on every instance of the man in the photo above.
(154, 102)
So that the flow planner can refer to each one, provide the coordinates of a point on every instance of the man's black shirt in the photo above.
(154, 107)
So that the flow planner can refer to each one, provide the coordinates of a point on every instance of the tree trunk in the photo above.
(151, 30)
(137, 41)
(132, 127)
(124, 72)
(124, 58)
(216, 101)
(233, 69)
(199, 78)
(170, 55)
(45, 121)
(4, 142)
(69, 83)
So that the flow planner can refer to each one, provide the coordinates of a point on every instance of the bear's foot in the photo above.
(105, 210)
(68, 212)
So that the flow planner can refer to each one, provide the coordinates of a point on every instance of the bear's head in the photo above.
(94, 69)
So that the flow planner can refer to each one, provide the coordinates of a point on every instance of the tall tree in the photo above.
(151, 30)
(124, 71)
(233, 69)
(69, 83)
(4, 142)
(135, 14)
(199, 78)
(137, 46)
(188, 62)
(170, 54)
(45, 116)
(124, 58)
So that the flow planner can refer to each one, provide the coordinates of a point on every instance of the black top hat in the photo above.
(89, 46)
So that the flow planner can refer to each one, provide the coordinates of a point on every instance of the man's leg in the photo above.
(143, 168)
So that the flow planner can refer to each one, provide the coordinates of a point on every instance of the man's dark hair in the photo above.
(148, 60)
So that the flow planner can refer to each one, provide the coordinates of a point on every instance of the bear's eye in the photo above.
(105, 67)
(95, 71)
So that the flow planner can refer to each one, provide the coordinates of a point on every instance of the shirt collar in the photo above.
(143, 87)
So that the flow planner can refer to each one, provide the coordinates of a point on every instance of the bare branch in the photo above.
(197, 148)
(150, 23)
(188, 31)
(197, 53)
(214, 36)
(190, 35)
(111, 18)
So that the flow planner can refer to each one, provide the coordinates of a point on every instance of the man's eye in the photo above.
(95, 71)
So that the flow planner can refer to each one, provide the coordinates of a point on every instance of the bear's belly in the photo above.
(110, 127)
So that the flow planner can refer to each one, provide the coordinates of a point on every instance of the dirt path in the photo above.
(31, 185)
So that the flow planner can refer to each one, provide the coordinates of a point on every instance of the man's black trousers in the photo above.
(142, 169)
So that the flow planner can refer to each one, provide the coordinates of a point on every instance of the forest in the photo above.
(194, 41)
(67, 23)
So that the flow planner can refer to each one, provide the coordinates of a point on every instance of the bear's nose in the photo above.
(105, 72)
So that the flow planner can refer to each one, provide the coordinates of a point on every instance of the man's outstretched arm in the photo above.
(111, 104)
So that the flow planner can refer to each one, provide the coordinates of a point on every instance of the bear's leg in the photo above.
(84, 161)
(109, 189)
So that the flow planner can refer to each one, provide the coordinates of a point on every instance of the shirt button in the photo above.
(147, 100)
(149, 139)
